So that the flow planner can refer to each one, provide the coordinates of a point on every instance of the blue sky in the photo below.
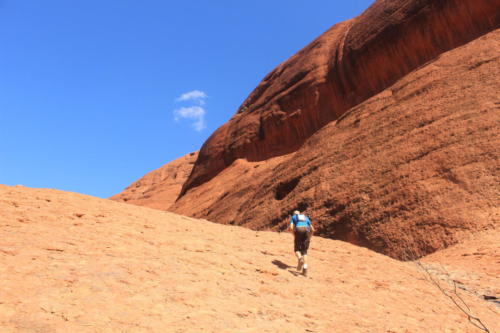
(96, 93)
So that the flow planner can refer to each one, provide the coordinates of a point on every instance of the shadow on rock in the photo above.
(281, 264)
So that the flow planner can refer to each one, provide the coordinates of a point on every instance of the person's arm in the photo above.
(291, 224)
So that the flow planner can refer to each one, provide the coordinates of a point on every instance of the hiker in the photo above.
(302, 231)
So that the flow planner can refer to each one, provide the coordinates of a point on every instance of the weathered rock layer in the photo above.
(348, 64)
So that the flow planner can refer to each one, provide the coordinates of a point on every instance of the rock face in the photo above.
(159, 188)
(351, 62)
(74, 263)
(409, 171)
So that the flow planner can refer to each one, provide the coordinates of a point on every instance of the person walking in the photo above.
(302, 231)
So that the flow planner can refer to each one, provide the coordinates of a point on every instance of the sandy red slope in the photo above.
(75, 263)
(412, 168)
(159, 188)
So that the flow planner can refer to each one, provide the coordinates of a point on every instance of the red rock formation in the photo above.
(348, 64)
(407, 172)
(159, 188)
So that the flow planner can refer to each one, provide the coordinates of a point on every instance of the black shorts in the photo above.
(302, 237)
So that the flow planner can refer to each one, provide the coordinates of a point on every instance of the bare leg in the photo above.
(300, 260)
(298, 254)
(304, 266)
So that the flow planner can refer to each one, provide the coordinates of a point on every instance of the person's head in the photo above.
(296, 212)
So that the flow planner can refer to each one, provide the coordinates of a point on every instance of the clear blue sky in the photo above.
(90, 90)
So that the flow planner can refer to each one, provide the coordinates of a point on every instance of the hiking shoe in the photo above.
(304, 272)
(300, 264)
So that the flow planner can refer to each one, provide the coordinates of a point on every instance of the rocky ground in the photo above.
(75, 263)
(474, 264)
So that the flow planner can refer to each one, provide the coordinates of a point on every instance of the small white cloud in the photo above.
(195, 95)
(196, 113)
